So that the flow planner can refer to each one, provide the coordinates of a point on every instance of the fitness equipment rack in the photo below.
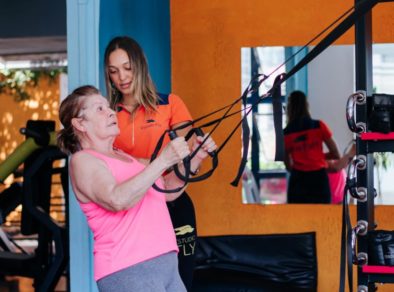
(51, 257)
(367, 143)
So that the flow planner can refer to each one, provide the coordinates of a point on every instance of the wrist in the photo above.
(200, 156)
(168, 170)
(162, 164)
(195, 172)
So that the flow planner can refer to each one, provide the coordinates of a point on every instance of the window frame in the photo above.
(298, 81)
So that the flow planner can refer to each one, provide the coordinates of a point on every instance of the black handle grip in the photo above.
(215, 161)
(200, 133)
(186, 160)
(172, 134)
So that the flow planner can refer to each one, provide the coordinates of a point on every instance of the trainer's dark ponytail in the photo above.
(70, 108)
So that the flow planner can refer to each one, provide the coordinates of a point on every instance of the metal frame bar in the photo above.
(365, 210)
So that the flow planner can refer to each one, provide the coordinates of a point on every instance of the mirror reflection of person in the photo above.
(135, 247)
(337, 174)
(305, 158)
(143, 116)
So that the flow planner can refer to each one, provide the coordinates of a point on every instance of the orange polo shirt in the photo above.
(304, 143)
(140, 131)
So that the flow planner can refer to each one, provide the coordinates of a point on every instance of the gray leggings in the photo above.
(159, 274)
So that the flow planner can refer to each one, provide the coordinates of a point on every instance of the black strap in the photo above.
(245, 127)
(346, 258)
(186, 163)
(215, 160)
(245, 148)
(186, 178)
(359, 10)
(278, 113)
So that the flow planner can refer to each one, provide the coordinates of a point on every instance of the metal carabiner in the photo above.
(358, 163)
(360, 229)
(357, 98)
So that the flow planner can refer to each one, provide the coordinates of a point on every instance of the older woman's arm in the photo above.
(171, 181)
(333, 152)
(92, 180)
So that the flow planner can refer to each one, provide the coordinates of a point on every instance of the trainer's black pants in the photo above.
(309, 187)
(184, 222)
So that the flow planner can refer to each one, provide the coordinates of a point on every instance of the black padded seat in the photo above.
(264, 263)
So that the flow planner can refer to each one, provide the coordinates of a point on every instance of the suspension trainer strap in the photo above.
(349, 249)
(254, 86)
(158, 146)
(186, 164)
(342, 268)
(359, 10)
(213, 154)
(278, 112)
(245, 150)
(346, 257)
(245, 142)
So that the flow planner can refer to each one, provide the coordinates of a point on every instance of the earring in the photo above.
(114, 91)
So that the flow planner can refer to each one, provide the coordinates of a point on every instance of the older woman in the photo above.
(134, 242)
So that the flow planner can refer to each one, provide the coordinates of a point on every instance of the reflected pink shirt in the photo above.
(125, 238)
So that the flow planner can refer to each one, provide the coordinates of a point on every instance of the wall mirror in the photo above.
(328, 81)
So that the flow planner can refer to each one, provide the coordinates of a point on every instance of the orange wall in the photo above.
(43, 105)
(207, 36)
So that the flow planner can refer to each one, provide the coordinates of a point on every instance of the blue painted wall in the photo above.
(90, 25)
(148, 22)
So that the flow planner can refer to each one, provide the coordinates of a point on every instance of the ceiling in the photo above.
(13, 48)
(33, 30)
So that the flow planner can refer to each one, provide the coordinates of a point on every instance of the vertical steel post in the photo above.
(363, 63)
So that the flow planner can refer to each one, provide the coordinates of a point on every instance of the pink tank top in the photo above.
(125, 238)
